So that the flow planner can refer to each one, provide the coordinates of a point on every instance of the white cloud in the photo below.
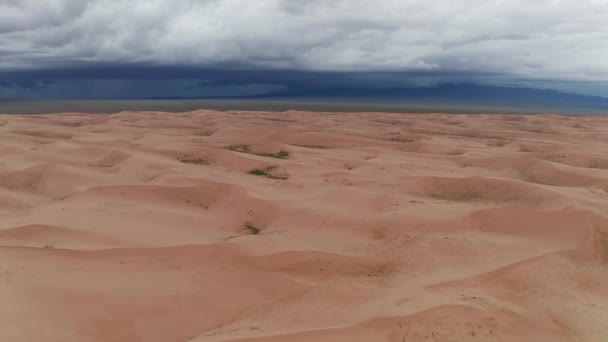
(543, 39)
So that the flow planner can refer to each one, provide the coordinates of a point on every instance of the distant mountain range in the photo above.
(450, 94)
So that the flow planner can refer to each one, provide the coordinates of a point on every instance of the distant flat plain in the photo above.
(185, 105)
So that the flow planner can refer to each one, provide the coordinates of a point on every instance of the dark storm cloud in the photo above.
(222, 75)
(200, 47)
(137, 81)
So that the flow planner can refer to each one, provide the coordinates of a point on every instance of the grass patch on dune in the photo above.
(466, 196)
(260, 172)
(239, 148)
(470, 195)
(199, 161)
(479, 135)
(498, 143)
(400, 139)
(514, 118)
(318, 147)
(379, 233)
(458, 194)
(282, 154)
(383, 270)
(540, 130)
(598, 165)
(267, 172)
(203, 133)
(486, 194)
(251, 229)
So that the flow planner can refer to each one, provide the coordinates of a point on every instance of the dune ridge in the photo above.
(299, 226)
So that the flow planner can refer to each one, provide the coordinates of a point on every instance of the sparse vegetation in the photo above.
(472, 195)
(379, 233)
(318, 147)
(389, 121)
(530, 176)
(268, 173)
(453, 122)
(46, 134)
(259, 172)
(540, 130)
(383, 270)
(204, 133)
(534, 130)
(515, 118)
(595, 164)
(498, 143)
(466, 196)
(282, 154)
(240, 148)
(592, 163)
(251, 229)
(473, 134)
(401, 139)
(198, 161)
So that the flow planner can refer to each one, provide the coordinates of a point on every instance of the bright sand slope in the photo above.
(372, 227)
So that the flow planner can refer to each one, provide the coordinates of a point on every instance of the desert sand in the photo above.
(152, 227)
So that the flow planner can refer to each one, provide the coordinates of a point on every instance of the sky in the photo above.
(192, 48)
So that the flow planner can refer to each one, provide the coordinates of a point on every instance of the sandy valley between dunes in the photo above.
(297, 226)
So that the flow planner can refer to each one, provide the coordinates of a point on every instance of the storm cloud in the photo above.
(147, 48)
(545, 39)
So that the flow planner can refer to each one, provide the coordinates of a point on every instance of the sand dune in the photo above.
(299, 226)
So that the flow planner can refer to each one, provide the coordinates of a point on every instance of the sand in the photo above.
(149, 226)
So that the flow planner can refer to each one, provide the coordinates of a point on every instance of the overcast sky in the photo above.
(46, 44)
